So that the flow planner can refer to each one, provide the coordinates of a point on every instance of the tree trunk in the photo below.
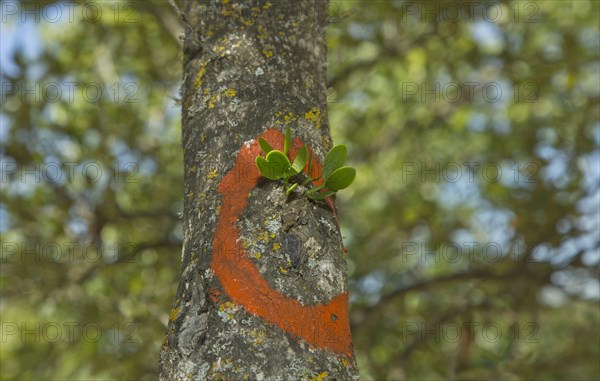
(263, 289)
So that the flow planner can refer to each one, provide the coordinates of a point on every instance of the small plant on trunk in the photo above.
(276, 165)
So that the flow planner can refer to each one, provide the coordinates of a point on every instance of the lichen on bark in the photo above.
(250, 66)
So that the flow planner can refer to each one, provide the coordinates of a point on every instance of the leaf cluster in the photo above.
(276, 165)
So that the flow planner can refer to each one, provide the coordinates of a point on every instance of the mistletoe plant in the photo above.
(277, 166)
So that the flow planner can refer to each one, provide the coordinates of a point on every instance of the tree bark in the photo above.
(263, 288)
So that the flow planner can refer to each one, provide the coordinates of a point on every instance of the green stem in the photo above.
(313, 190)
(311, 180)
(290, 189)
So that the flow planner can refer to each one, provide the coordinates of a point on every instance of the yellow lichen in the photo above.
(199, 77)
(212, 174)
(259, 337)
(174, 313)
(314, 116)
(321, 376)
(227, 307)
(227, 12)
(212, 101)
(262, 32)
(290, 117)
(282, 270)
(276, 246)
(223, 43)
(267, 53)
(230, 92)
(264, 236)
(326, 142)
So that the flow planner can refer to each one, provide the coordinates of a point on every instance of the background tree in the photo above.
(446, 180)
(263, 290)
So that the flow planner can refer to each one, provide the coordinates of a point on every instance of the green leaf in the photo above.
(340, 178)
(266, 169)
(277, 157)
(335, 159)
(321, 195)
(275, 166)
(300, 160)
(266, 147)
(278, 163)
(287, 141)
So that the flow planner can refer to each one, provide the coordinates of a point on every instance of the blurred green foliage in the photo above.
(472, 225)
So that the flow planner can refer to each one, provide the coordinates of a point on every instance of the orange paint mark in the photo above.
(324, 326)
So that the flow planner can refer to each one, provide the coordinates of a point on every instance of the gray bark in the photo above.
(250, 66)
